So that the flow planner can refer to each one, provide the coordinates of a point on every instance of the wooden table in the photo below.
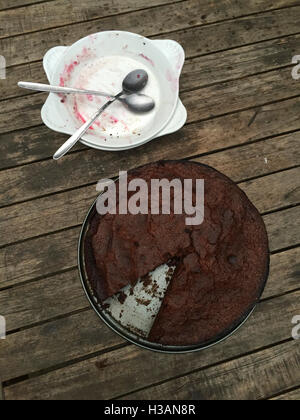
(243, 119)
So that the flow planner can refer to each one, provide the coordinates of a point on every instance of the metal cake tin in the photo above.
(131, 336)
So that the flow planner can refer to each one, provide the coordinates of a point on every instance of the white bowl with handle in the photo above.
(100, 62)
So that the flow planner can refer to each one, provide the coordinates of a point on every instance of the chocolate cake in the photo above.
(221, 264)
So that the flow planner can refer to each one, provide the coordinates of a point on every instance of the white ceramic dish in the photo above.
(100, 62)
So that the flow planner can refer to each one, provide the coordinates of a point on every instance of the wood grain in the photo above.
(274, 191)
(289, 396)
(231, 34)
(65, 12)
(240, 94)
(108, 376)
(282, 228)
(78, 169)
(39, 302)
(257, 159)
(68, 12)
(284, 273)
(11, 4)
(252, 377)
(55, 343)
(40, 257)
(1, 392)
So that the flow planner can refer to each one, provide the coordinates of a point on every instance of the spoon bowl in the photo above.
(138, 103)
(135, 81)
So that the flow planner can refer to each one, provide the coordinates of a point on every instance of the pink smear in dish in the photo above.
(69, 68)
(173, 80)
(114, 120)
(78, 115)
(90, 98)
(147, 59)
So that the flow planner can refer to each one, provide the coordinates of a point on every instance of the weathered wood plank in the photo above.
(43, 300)
(240, 379)
(65, 12)
(284, 273)
(233, 33)
(238, 62)
(289, 396)
(40, 257)
(37, 217)
(68, 209)
(243, 31)
(282, 228)
(62, 294)
(78, 169)
(274, 191)
(114, 374)
(197, 72)
(54, 343)
(252, 91)
(10, 4)
(68, 12)
(203, 103)
(25, 146)
(256, 159)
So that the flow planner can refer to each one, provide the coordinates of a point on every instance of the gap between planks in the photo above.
(290, 395)
(240, 378)
(16, 4)
(245, 27)
(32, 12)
(257, 333)
(263, 153)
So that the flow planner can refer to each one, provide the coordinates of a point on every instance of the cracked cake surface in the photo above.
(222, 264)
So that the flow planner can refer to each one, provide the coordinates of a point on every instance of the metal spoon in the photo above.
(133, 82)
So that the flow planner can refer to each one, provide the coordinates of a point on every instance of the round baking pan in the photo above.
(130, 336)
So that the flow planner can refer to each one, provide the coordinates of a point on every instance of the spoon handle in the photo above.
(60, 89)
(82, 130)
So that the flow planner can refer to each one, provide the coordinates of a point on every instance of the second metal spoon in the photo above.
(134, 82)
